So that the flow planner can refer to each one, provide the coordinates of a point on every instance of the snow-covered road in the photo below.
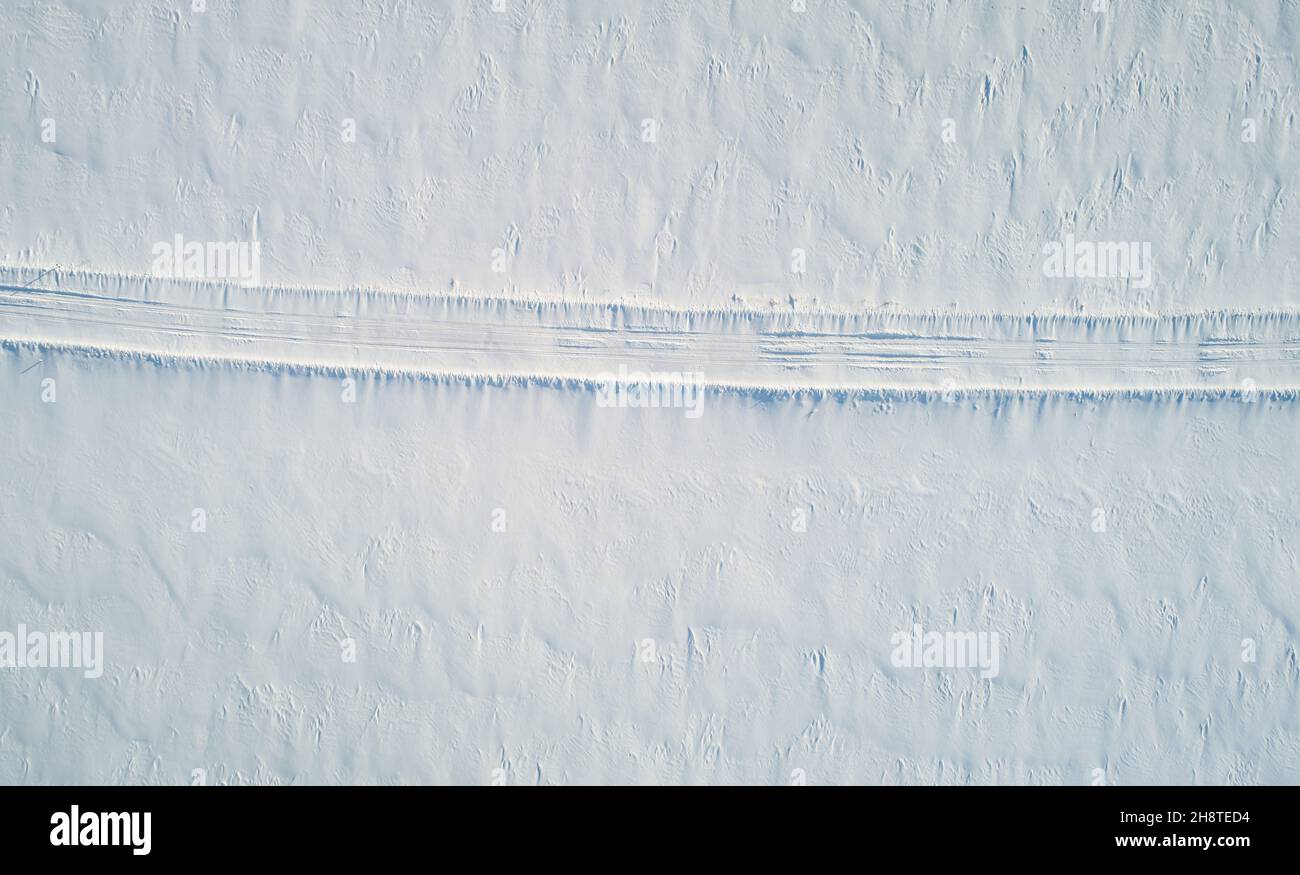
(1218, 352)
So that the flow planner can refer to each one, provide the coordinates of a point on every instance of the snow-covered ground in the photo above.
(652, 610)
(919, 151)
(663, 392)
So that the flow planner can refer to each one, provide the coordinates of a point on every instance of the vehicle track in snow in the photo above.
(1218, 352)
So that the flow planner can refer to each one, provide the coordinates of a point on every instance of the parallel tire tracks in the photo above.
(1223, 352)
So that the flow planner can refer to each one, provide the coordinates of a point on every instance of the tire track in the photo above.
(1229, 352)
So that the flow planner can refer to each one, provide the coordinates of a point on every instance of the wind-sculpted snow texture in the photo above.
(921, 153)
(650, 612)
(537, 392)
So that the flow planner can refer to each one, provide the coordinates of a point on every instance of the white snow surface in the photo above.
(521, 650)
(403, 454)
(521, 130)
